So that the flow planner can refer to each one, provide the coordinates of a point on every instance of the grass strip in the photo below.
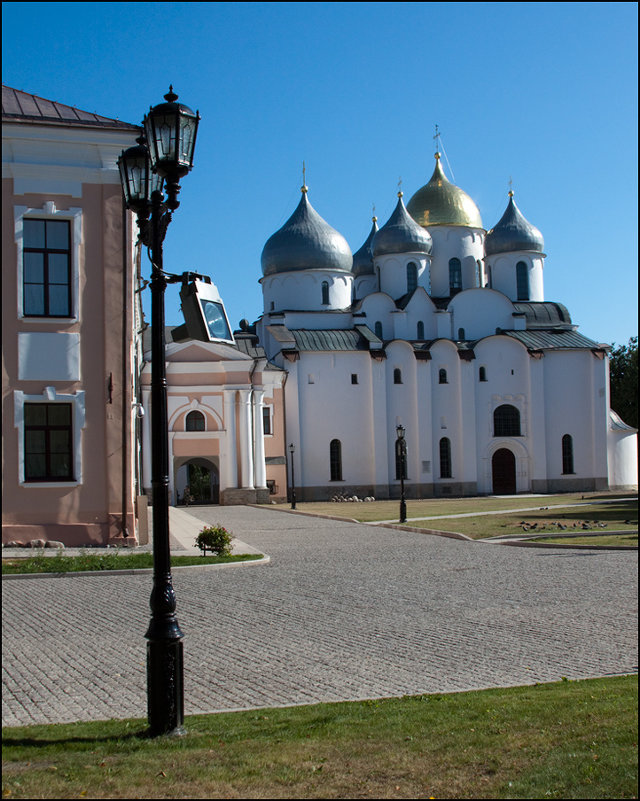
(570, 739)
(431, 507)
(617, 516)
(613, 539)
(108, 561)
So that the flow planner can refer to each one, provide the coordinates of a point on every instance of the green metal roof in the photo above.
(329, 340)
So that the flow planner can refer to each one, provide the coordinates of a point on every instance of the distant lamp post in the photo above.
(292, 450)
(401, 468)
(163, 156)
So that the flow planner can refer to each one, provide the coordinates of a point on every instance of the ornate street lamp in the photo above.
(292, 450)
(166, 154)
(401, 468)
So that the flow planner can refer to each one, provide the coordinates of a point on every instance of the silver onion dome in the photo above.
(306, 242)
(363, 258)
(513, 232)
(401, 234)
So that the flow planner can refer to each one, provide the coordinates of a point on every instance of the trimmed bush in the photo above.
(215, 539)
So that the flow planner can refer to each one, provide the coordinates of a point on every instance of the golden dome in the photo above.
(442, 203)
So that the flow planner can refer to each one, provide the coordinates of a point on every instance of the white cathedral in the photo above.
(442, 327)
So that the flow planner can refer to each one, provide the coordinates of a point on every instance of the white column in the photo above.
(229, 479)
(258, 440)
(246, 450)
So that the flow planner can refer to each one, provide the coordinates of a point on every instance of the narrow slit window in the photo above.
(567, 454)
(335, 460)
(412, 276)
(522, 280)
(455, 276)
(445, 458)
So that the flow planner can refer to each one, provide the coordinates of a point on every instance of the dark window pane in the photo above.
(58, 268)
(195, 421)
(59, 414)
(33, 233)
(335, 458)
(35, 414)
(35, 466)
(33, 299)
(522, 279)
(506, 421)
(60, 442)
(34, 268)
(59, 300)
(57, 234)
(445, 458)
(60, 465)
(35, 441)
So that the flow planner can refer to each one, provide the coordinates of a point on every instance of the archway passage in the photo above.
(198, 482)
(503, 469)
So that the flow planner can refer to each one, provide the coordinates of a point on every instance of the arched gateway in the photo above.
(503, 472)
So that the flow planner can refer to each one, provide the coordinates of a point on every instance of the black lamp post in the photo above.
(401, 467)
(165, 154)
(292, 450)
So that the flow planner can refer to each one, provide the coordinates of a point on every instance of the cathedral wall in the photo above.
(393, 273)
(331, 407)
(312, 290)
(622, 451)
(365, 285)
(479, 312)
(571, 408)
(451, 241)
(506, 366)
(504, 277)
(379, 308)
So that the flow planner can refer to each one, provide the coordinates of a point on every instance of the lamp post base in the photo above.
(165, 691)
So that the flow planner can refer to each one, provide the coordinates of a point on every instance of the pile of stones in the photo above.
(346, 498)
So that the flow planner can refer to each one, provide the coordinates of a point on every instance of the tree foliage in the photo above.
(623, 376)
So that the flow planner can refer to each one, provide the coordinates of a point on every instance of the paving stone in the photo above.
(342, 611)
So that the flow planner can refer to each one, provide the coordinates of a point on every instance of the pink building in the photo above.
(226, 423)
(69, 322)
(76, 412)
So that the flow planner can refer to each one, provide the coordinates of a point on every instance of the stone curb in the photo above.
(133, 571)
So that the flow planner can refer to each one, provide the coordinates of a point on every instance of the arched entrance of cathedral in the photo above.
(503, 471)
(197, 482)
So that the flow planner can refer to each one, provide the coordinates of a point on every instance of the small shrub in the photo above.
(215, 539)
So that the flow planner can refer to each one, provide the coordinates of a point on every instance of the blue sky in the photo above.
(544, 94)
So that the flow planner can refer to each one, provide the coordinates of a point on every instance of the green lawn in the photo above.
(571, 739)
(617, 516)
(112, 560)
(389, 510)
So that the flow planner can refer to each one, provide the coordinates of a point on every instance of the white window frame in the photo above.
(48, 211)
(50, 395)
(269, 411)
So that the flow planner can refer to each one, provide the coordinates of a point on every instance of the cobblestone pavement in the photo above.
(342, 611)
